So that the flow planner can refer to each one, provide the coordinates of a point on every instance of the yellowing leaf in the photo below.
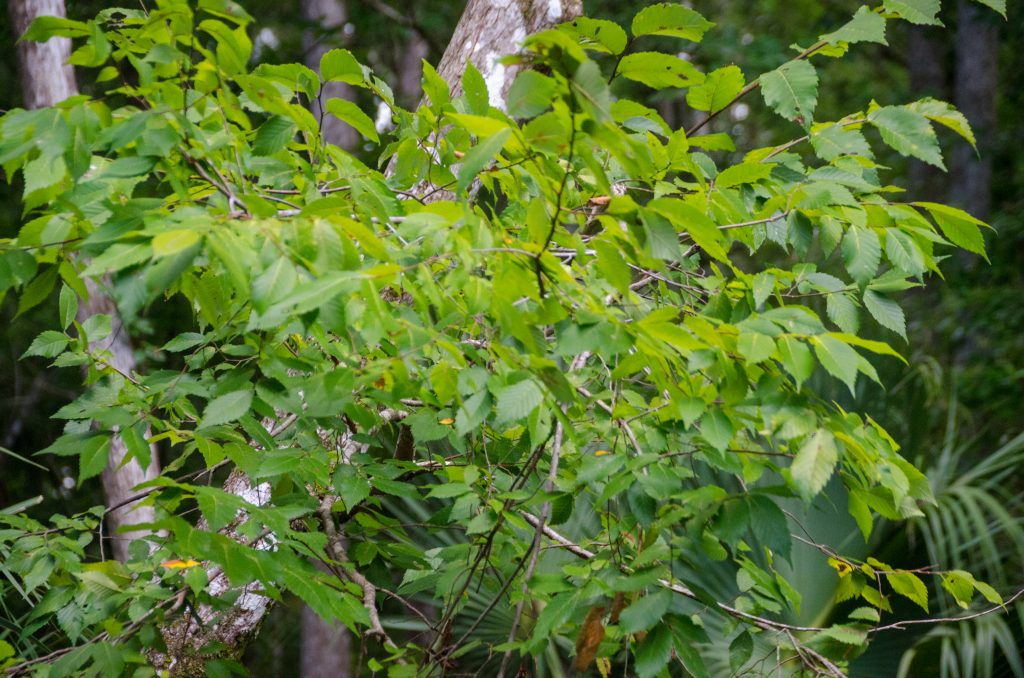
(179, 564)
(841, 566)
(172, 242)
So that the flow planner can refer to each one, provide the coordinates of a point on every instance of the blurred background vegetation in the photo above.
(957, 409)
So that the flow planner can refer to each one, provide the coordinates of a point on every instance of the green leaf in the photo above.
(960, 585)
(530, 95)
(865, 26)
(351, 487)
(910, 585)
(348, 112)
(218, 507)
(837, 140)
(598, 35)
(946, 115)
(434, 86)
(717, 429)
(843, 312)
(590, 89)
(792, 90)
(838, 359)
(43, 28)
(847, 634)
(862, 253)
(273, 135)
(740, 650)
(48, 344)
(654, 652)
(755, 347)
(475, 89)
(517, 401)
(990, 594)
(68, 306)
(796, 358)
(908, 132)
(769, 525)
(814, 462)
(743, 173)
(183, 341)
(997, 5)
(339, 65)
(131, 166)
(172, 242)
(555, 613)
(226, 408)
(958, 226)
(645, 612)
(118, 257)
(670, 19)
(92, 457)
(879, 347)
(449, 490)
(718, 90)
(903, 252)
(915, 11)
(479, 157)
(693, 222)
(886, 311)
(657, 70)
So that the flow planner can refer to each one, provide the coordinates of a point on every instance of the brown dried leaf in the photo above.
(589, 640)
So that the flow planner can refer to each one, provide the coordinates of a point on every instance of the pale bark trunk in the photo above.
(977, 51)
(491, 29)
(328, 18)
(326, 648)
(47, 79)
(232, 629)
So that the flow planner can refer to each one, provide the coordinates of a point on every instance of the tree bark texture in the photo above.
(977, 51)
(231, 629)
(491, 29)
(327, 20)
(47, 79)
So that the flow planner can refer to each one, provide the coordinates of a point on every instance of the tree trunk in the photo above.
(47, 79)
(977, 51)
(411, 69)
(326, 647)
(327, 31)
(326, 650)
(491, 29)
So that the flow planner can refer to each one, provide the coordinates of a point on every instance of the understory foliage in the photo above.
(570, 342)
